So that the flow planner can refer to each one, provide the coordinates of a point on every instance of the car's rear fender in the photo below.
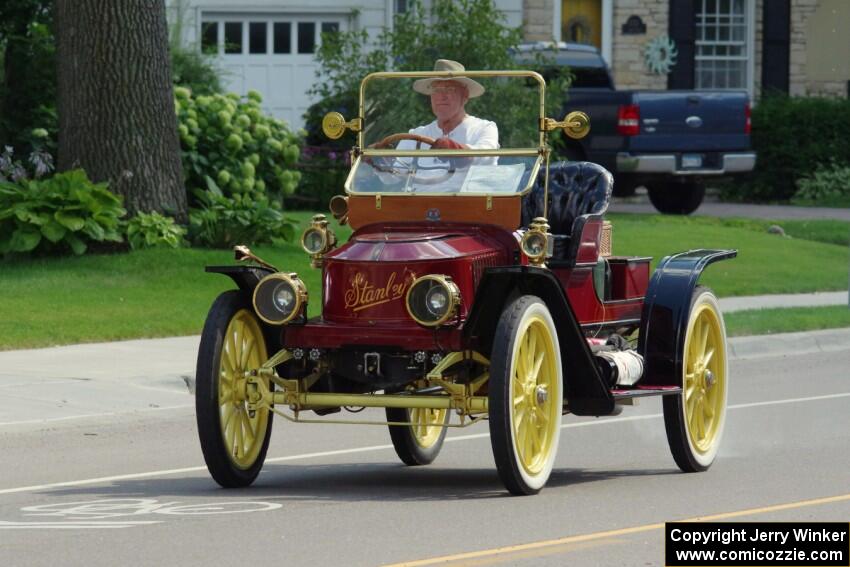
(665, 313)
(584, 389)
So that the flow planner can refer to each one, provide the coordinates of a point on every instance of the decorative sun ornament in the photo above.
(660, 54)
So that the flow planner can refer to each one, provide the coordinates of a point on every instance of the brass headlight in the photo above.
(536, 242)
(432, 300)
(318, 240)
(279, 298)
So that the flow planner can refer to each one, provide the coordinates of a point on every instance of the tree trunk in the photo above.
(116, 107)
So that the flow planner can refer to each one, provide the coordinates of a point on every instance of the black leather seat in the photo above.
(575, 188)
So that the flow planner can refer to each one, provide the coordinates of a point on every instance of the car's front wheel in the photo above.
(525, 395)
(420, 443)
(234, 441)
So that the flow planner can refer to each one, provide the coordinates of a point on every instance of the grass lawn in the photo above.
(771, 321)
(156, 293)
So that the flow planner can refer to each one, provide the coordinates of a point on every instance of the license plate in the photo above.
(691, 161)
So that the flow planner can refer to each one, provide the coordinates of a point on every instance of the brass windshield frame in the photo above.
(541, 152)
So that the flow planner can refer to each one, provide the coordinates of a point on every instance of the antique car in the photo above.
(478, 284)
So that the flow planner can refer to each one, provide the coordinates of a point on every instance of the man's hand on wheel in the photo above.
(447, 144)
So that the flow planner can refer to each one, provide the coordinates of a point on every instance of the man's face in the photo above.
(447, 99)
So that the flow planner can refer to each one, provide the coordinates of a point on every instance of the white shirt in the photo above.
(476, 133)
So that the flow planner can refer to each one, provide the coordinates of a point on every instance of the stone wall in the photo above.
(801, 10)
(537, 19)
(627, 51)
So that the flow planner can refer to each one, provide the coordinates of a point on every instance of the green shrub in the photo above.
(153, 230)
(222, 221)
(793, 137)
(826, 184)
(64, 212)
(231, 147)
(194, 71)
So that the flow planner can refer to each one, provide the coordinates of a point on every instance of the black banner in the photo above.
(757, 544)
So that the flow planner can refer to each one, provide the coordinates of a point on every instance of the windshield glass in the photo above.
(438, 134)
(468, 176)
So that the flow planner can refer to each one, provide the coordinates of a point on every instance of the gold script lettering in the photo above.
(363, 294)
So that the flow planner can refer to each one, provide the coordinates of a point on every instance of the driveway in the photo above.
(640, 204)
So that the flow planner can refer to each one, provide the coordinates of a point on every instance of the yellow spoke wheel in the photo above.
(695, 419)
(420, 443)
(234, 440)
(525, 395)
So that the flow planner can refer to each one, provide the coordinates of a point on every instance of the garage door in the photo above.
(271, 54)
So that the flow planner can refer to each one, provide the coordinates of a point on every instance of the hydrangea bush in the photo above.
(232, 152)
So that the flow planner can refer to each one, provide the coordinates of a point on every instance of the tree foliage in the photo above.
(28, 73)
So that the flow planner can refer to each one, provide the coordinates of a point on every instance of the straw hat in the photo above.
(424, 85)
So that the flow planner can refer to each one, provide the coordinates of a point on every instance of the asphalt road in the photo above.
(133, 491)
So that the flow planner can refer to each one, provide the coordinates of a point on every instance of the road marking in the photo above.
(83, 416)
(70, 525)
(601, 421)
(537, 545)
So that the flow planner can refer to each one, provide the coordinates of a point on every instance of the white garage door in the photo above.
(271, 54)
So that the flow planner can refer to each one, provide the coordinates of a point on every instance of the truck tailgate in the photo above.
(683, 121)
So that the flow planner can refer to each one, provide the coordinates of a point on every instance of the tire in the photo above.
(233, 443)
(671, 198)
(525, 405)
(624, 186)
(695, 419)
(418, 445)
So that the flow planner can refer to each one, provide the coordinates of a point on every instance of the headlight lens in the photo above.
(432, 300)
(534, 244)
(278, 298)
(314, 240)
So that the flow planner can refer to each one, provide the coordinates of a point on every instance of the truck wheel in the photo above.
(624, 186)
(525, 395)
(672, 198)
(421, 443)
(234, 443)
(695, 418)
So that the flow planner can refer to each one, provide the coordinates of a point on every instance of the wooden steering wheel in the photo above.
(393, 138)
(391, 141)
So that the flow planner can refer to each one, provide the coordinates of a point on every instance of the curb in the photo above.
(783, 344)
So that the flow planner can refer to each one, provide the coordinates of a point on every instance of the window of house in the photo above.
(209, 38)
(257, 37)
(400, 6)
(233, 37)
(282, 37)
(721, 44)
(306, 37)
(330, 27)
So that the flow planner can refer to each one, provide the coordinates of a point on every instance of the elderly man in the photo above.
(453, 128)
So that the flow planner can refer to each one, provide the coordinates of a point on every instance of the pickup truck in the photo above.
(668, 141)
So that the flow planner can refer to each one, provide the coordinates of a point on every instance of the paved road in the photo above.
(131, 489)
(640, 204)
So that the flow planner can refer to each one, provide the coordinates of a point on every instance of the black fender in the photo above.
(584, 388)
(246, 277)
(666, 307)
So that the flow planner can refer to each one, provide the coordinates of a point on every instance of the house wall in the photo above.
(537, 19)
(627, 54)
(825, 69)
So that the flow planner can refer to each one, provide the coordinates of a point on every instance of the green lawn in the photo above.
(770, 321)
(158, 293)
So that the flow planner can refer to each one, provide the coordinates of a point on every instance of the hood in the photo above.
(367, 278)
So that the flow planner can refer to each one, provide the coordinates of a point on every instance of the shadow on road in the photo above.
(351, 482)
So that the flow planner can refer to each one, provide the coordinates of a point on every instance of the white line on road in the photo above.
(83, 416)
(602, 421)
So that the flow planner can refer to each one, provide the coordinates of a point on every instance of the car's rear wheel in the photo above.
(525, 395)
(233, 441)
(418, 444)
(695, 419)
(676, 198)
